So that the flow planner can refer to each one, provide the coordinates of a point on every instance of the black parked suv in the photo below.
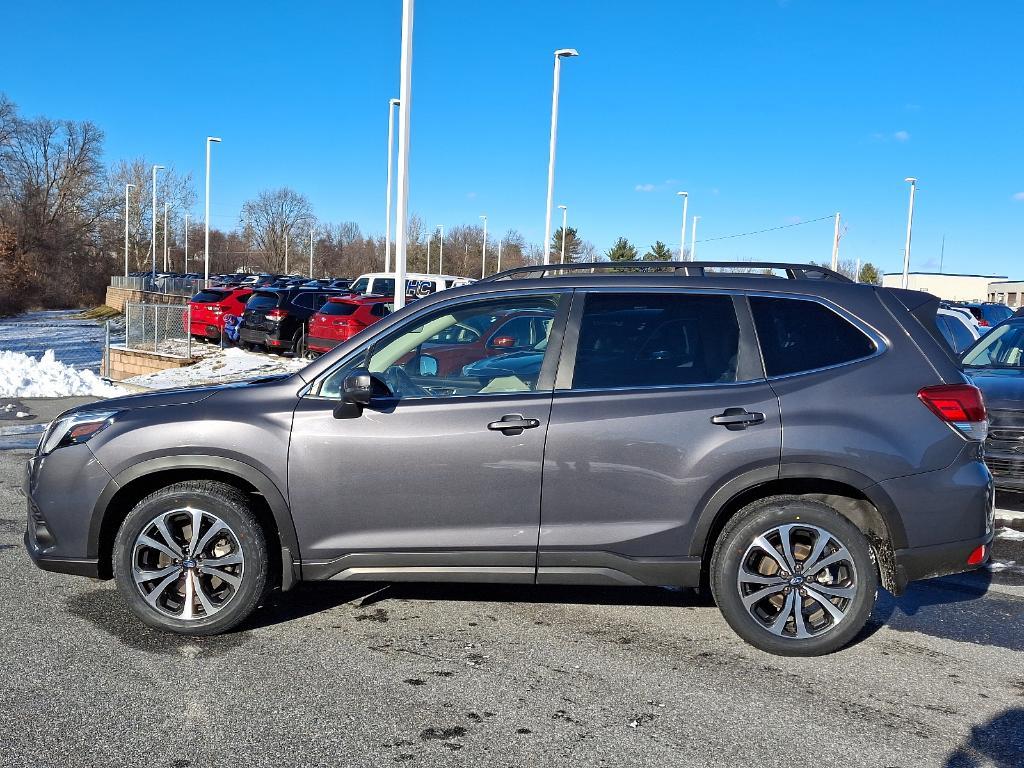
(792, 444)
(277, 319)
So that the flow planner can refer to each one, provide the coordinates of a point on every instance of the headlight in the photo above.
(74, 429)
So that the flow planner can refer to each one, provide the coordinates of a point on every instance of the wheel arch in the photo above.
(130, 486)
(854, 496)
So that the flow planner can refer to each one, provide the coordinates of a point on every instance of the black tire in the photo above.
(855, 574)
(297, 343)
(220, 501)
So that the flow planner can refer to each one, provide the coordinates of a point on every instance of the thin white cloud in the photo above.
(644, 187)
(901, 136)
(1018, 196)
(471, 195)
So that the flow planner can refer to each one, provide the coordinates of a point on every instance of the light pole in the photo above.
(483, 256)
(910, 225)
(153, 243)
(693, 239)
(440, 251)
(405, 110)
(186, 241)
(499, 255)
(311, 229)
(392, 103)
(126, 188)
(206, 242)
(428, 254)
(560, 54)
(835, 246)
(565, 213)
(166, 265)
(287, 237)
(682, 234)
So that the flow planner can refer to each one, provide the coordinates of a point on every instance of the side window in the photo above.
(306, 300)
(656, 339)
(380, 309)
(800, 335)
(429, 357)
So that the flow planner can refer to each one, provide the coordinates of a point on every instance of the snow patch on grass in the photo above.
(218, 366)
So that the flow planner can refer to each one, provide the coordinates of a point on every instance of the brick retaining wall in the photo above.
(125, 363)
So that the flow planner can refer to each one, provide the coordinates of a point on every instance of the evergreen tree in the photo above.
(622, 250)
(869, 274)
(573, 245)
(658, 252)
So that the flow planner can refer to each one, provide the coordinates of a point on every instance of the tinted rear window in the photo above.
(651, 339)
(338, 308)
(208, 296)
(995, 313)
(798, 335)
(263, 300)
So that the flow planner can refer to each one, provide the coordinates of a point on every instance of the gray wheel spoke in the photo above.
(143, 576)
(149, 541)
(827, 604)
(749, 577)
(762, 543)
(158, 590)
(207, 604)
(787, 546)
(824, 537)
(188, 609)
(845, 592)
(161, 525)
(197, 523)
(230, 578)
(780, 621)
(208, 536)
(232, 558)
(798, 616)
(836, 557)
(754, 597)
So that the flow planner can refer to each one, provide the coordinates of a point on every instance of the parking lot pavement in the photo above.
(371, 675)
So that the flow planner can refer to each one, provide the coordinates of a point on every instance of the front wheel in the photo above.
(191, 558)
(793, 577)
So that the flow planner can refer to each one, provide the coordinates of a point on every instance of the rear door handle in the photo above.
(737, 418)
(513, 424)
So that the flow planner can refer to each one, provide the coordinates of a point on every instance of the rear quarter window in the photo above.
(338, 308)
(798, 335)
(205, 297)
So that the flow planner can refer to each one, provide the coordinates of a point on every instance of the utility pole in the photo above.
(682, 233)
(126, 188)
(499, 256)
(405, 111)
(152, 247)
(483, 252)
(167, 267)
(186, 241)
(565, 213)
(942, 252)
(440, 252)
(392, 103)
(835, 246)
(559, 55)
(206, 220)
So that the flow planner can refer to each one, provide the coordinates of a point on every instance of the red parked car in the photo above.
(498, 334)
(209, 307)
(342, 317)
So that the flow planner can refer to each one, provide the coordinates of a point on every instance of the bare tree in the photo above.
(270, 218)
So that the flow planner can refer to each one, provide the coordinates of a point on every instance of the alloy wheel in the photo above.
(187, 563)
(797, 580)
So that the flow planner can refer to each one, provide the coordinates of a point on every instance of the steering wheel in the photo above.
(401, 384)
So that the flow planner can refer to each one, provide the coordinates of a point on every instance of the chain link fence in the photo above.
(161, 328)
(174, 286)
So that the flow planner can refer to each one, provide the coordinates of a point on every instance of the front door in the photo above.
(440, 476)
(662, 400)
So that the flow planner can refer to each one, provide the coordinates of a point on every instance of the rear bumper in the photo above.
(259, 336)
(939, 560)
(320, 344)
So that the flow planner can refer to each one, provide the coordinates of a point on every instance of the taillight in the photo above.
(277, 314)
(959, 405)
(983, 322)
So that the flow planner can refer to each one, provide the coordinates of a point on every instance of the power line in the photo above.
(770, 229)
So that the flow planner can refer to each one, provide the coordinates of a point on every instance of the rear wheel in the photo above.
(191, 558)
(793, 577)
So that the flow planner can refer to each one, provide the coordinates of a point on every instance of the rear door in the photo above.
(660, 399)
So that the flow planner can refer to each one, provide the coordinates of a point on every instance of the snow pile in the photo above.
(231, 364)
(24, 376)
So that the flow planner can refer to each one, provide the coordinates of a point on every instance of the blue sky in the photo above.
(767, 112)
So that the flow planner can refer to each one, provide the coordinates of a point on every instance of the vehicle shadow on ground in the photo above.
(998, 742)
(311, 598)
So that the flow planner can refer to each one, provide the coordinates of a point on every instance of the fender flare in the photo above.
(264, 485)
(732, 488)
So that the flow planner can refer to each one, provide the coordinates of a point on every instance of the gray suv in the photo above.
(791, 444)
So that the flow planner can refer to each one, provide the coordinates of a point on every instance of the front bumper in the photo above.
(61, 490)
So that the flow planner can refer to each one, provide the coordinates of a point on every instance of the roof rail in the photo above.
(681, 268)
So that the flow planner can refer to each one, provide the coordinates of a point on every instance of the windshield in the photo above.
(360, 285)
(1002, 347)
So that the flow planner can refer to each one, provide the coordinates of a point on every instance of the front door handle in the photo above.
(737, 418)
(513, 424)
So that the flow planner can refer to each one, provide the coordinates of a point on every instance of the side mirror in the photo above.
(357, 388)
